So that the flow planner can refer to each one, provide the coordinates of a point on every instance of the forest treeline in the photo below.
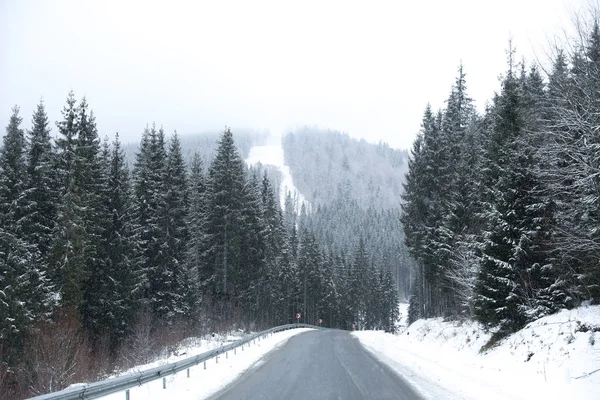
(354, 190)
(101, 266)
(502, 209)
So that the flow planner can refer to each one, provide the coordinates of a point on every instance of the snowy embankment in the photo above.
(205, 382)
(555, 357)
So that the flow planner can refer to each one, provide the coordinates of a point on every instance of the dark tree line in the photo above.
(501, 210)
(101, 256)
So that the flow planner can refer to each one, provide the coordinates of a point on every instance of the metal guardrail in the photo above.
(122, 383)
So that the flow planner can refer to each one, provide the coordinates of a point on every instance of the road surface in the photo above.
(320, 365)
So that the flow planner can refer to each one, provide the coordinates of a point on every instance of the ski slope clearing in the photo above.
(205, 382)
(555, 357)
(273, 155)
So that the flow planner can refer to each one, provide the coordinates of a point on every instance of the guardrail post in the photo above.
(234, 352)
(188, 372)
(226, 355)
(127, 394)
(204, 364)
(217, 358)
(164, 383)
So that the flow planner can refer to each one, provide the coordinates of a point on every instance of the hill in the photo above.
(329, 164)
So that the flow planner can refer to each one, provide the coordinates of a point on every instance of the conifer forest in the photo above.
(121, 261)
(111, 251)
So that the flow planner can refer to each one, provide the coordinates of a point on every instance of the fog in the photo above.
(367, 68)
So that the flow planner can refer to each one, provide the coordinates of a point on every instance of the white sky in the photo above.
(367, 68)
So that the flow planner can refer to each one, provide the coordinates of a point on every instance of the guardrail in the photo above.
(125, 382)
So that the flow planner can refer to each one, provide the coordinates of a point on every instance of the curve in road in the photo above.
(328, 364)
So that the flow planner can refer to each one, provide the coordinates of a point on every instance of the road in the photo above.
(327, 364)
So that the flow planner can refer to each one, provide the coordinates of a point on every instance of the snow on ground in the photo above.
(273, 155)
(555, 357)
(205, 382)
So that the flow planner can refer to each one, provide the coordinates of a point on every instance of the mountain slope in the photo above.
(329, 164)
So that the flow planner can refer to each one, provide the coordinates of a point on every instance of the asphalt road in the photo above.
(320, 365)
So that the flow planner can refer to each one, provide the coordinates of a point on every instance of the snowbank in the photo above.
(205, 382)
(555, 357)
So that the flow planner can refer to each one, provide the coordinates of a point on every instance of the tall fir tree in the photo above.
(224, 219)
(196, 228)
(169, 275)
(41, 186)
(24, 289)
(67, 265)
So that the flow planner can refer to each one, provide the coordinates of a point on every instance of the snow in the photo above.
(555, 357)
(205, 382)
(272, 154)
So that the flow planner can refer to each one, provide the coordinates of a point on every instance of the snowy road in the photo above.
(320, 365)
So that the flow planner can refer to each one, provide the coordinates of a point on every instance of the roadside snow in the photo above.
(205, 382)
(555, 357)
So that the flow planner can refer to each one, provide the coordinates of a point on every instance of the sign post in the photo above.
(320, 321)
(298, 315)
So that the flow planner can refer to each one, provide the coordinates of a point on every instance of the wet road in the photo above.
(320, 365)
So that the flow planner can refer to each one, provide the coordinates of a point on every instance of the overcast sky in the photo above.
(367, 68)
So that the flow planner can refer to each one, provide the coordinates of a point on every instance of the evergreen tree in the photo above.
(24, 289)
(114, 289)
(67, 268)
(196, 229)
(13, 178)
(224, 194)
(250, 275)
(514, 258)
(149, 173)
(169, 275)
(40, 193)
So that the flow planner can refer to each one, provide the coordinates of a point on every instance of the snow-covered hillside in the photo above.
(272, 154)
(555, 357)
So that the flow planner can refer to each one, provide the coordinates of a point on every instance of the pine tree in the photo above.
(115, 286)
(515, 257)
(13, 178)
(149, 171)
(309, 266)
(196, 227)
(169, 276)
(41, 186)
(250, 276)
(67, 266)
(224, 220)
(422, 213)
(24, 289)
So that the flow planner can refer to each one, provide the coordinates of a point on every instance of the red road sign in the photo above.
(353, 326)
(320, 321)
(298, 316)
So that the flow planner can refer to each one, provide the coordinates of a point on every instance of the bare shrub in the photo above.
(141, 346)
(57, 355)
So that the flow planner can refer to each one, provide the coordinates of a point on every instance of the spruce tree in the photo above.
(169, 275)
(41, 186)
(67, 266)
(149, 171)
(224, 219)
(196, 228)
(24, 289)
